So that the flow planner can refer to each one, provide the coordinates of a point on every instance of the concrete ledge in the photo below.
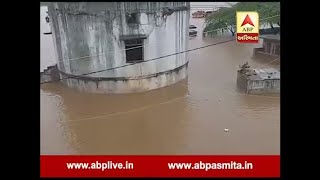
(120, 78)
(263, 91)
(118, 85)
(258, 53)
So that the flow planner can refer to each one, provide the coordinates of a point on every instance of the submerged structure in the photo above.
(270, 47)
(258, 81)
(120, 47)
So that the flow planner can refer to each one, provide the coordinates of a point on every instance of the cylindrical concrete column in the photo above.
(93, 36)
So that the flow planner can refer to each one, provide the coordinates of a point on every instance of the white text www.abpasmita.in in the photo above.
(208, 166)
(109, 165)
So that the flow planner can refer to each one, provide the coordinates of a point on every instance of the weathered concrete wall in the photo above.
(89, 29)
(268, 49)
(264, 86)
(258, 86)
(132, 85)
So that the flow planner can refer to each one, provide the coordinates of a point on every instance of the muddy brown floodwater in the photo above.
(186, 118)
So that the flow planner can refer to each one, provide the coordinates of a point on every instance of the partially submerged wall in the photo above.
(258, 86)
(263, 86)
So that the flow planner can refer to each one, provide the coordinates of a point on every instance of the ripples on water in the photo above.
(186, 118)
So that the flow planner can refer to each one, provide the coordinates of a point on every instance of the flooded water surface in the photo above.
(186, 118)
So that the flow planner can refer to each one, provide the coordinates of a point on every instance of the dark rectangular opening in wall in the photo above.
(132, 18)
(134, 50)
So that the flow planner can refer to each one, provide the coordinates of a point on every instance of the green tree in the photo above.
(225, 18)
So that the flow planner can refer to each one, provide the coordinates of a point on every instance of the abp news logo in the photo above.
(247, 27)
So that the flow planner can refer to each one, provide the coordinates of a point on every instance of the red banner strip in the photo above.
(160, 166)
(248, 37)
